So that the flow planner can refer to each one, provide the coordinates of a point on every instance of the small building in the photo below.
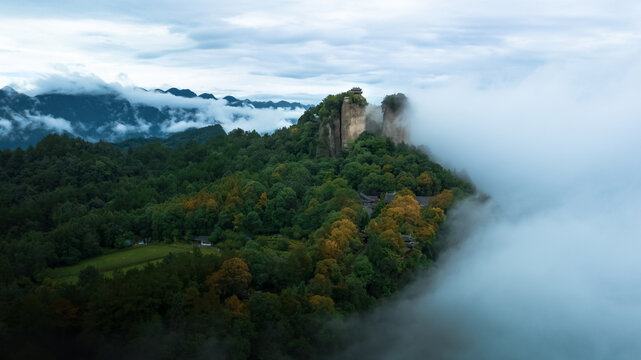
(408, 240)
(201, 240)
(422, 200)
(389, 197)
(356, 90)
(369, 202)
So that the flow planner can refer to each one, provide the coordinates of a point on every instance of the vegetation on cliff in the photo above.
(394, 102)
(327, 116)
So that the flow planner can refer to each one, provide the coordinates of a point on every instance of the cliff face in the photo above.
(352, 122)
(374, 119)
(394, 121)
(344, 117)
(329, 137)
(342, 120)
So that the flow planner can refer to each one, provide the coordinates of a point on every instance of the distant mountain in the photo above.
(113, 116)
(232, 101)
(186, 93)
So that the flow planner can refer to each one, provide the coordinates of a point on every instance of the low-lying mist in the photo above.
(549, 267)
(207, 111)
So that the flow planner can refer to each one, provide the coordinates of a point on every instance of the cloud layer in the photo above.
(305, 50)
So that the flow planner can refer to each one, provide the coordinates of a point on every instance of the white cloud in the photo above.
(216, 111)
(69, 83)
(31, 120)
(548, 268)
(254, 20)
(5, 127)
(577, 120)
(120, 128)
(251, 49)
(210, 112)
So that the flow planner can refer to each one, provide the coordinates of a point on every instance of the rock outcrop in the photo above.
(343, 121)
(352, 121)
(394, 118)
(329, 137)
(344, 117)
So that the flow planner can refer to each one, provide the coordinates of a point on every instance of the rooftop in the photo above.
(422, 200)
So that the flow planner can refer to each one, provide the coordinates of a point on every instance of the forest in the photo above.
(295, 251)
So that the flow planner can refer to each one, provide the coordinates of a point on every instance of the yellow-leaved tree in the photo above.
(262, 201)
(321, 304)
(203, 198)
(404, 209)
(442, 200)
(233, 277)
(424, 183)
(235, 306)
(340, 234)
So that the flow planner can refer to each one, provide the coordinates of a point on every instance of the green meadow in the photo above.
(126, 259)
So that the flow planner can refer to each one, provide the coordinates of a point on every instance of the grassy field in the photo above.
(125, 259)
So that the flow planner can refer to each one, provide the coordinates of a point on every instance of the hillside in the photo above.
(296, 250)
(199, 136)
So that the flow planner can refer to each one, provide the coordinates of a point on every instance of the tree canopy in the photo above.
(295, 246)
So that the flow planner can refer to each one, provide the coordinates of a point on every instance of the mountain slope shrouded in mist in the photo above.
(116, 114)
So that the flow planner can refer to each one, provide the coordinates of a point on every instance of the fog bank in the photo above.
(549, 267)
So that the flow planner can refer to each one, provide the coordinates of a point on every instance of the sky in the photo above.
(537, 102)
(304, 50)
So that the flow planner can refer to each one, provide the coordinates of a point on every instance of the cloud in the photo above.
(209, 112)
(252, 48)
(548, 268)
(246, 118)
(34, 120)
(569, 123)
(5, 127)
(556, 284)
(70, 83)
(120, 128)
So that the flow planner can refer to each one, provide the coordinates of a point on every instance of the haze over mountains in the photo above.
(113, 113)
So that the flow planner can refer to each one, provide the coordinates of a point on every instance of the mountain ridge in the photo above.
(117, 116)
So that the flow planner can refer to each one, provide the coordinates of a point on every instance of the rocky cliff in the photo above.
(394, 118)
(352, 121)
(342, 119)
